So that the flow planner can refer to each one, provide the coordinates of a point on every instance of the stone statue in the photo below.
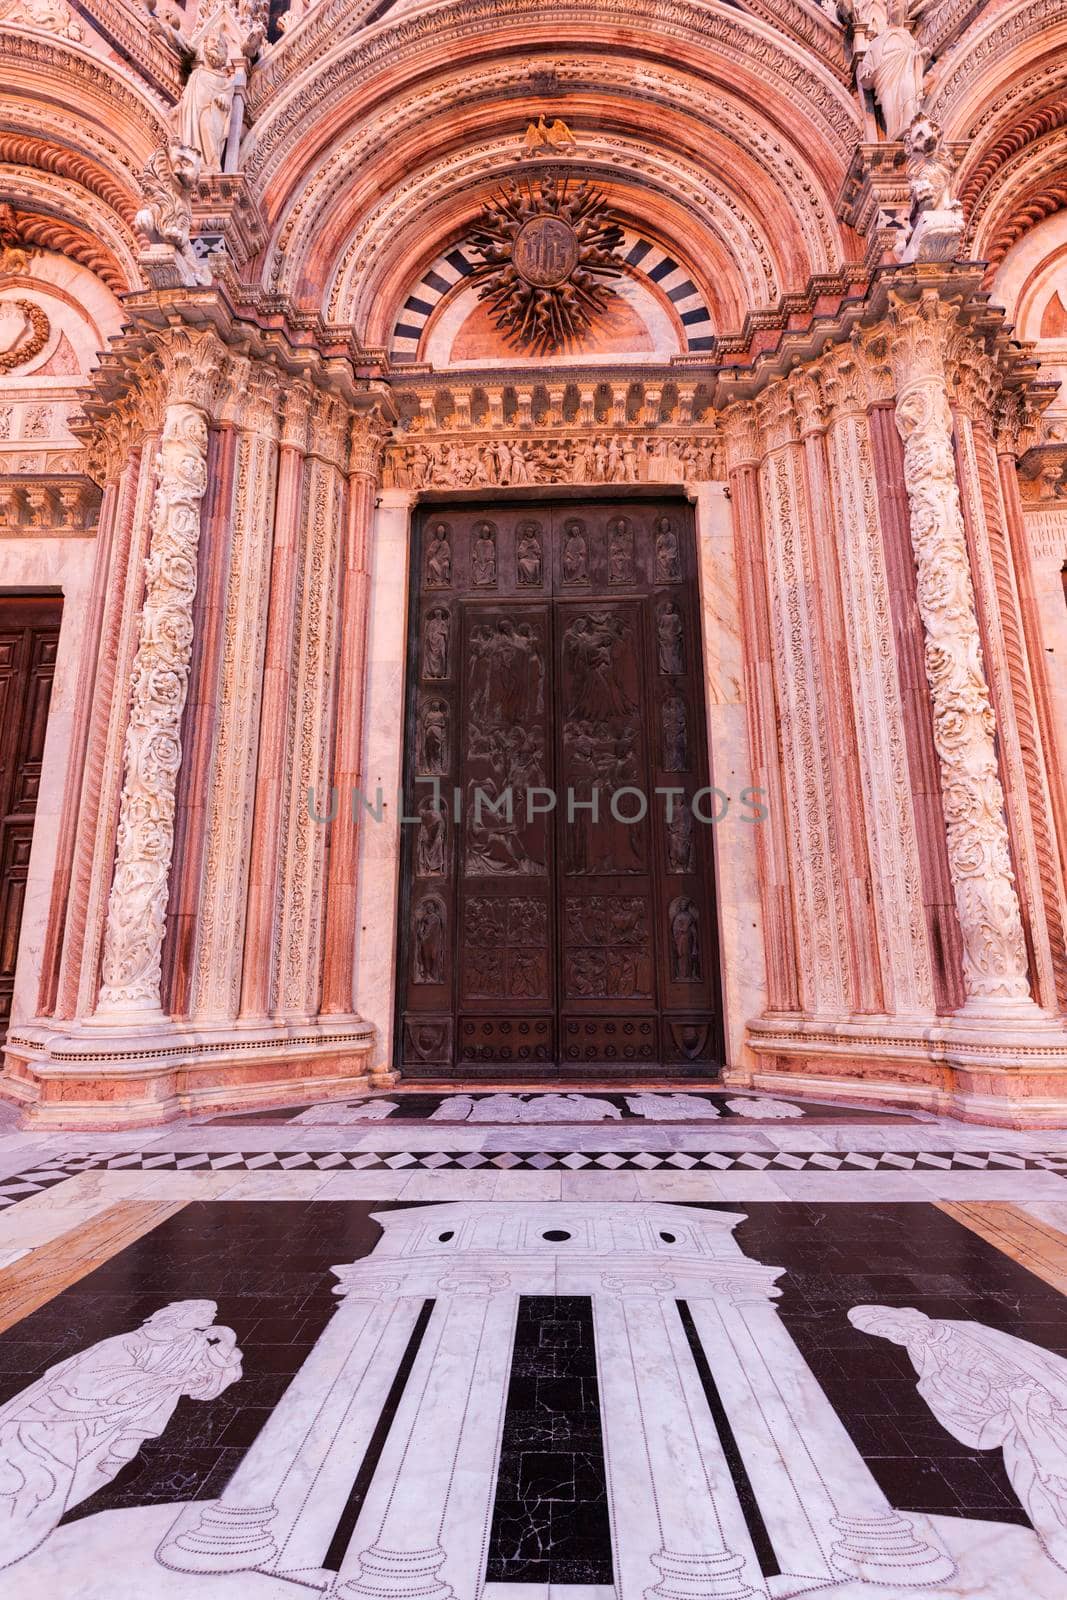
(893, 67)
(992, 1390)
(73, 1430)
(166, 217)
(202, 115)
(937, 221)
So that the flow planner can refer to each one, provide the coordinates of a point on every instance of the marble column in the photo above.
(274, 705)
(826, 1516)
(279, 1511)
(133, 937)
(994, 949)
(379, 834)
(365, 454)
(772, 851)
(658, 1432)
(424, 1525)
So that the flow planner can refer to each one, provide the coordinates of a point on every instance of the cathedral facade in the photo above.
(532, 547)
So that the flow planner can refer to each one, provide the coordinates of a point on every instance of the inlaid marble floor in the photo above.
(535, 1347)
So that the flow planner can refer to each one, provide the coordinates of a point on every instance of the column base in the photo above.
(226, 1539)
(86, 1075)
(1007, 1069)
(886, 1550)
(397, 1575)
(699, 1577)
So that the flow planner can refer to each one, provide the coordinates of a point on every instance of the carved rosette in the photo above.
(137, 908)
(994, 950)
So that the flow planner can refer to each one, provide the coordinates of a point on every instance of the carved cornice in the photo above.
(981, 51)
(98, 79)
(124, 27)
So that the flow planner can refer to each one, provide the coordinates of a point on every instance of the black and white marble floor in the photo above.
(535, 1347)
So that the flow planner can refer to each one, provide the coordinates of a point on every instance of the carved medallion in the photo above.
(546, 251)
(24, 330)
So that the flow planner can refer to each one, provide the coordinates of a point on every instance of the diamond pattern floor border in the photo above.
(34, 1181)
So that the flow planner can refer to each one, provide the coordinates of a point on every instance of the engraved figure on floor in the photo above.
(78, 1425)
(430, 940)
(992, 1390)
(439, 559)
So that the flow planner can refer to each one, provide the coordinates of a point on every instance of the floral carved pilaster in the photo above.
(994, 950)
(133, 936)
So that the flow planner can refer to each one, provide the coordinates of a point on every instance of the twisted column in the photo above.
(140, 889)
(994, 950)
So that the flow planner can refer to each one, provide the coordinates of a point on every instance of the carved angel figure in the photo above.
(81, 1422)
(165, 216)
(202, 115)
(992, 1390)
(893, 67)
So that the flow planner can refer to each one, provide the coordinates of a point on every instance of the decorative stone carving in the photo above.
(50, 16)
(545, 255)
(554, 138)
(994, 950)
(893, 68)
(166, 219)
(937, 221)
(140, 889)
(24, 330)
(202, 115)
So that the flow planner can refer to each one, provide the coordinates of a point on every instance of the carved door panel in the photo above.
(558, 911)
(29, 638)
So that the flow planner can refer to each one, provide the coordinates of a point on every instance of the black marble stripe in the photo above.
(746, 1494)
(346, 1524)
(550, 1519)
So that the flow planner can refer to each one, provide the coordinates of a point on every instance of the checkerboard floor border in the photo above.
(34, 1181)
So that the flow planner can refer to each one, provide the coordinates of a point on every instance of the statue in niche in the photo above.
(675, 734)
(429, 960)
(575, 559)
(74, 1429)
(668, 555)
(483, 556)
(435, 637)
(680, 838)
(992, 1390)
(684, 922)
(439, 558)
(431, 843)
(529, 558)
(433, 737)
(202, 115)
(893, 68)
(670, 640)
(620, 551)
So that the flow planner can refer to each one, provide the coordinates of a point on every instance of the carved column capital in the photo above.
(994, 950)
(368, 435)
(777, 417)
(296, 417)
(740, 434)
(196, 368)
(870, 349)
(809, 401)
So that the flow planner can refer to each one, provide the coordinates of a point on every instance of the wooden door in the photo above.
(557, 912)
(29, 640)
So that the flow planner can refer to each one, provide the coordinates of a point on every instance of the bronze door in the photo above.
(29, 639)
(557, 912)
